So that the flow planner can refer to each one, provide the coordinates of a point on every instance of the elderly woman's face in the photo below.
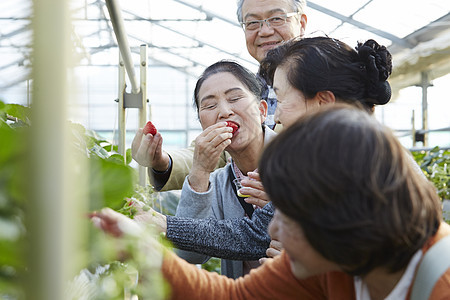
(291, 103)
(222, 97)
(304, 259)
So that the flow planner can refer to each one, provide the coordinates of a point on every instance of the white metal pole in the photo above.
(51, 211)
(122, 110)
(425, 83)
(143, 109)
(115, 14)
(413, 131)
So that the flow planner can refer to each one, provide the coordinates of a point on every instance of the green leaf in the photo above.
(18, 111)
(117, 158)
(129, 158)
(9, 140)
(111, 182)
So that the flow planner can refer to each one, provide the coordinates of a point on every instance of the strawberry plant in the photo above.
(110, 183)
(435, 164)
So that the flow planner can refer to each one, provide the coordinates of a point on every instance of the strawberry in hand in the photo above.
(233, 125)
(150, 128)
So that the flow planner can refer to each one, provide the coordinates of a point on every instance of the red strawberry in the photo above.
(150, 128)
(232, 125)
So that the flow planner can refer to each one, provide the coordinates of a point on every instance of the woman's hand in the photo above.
(128, 231)
(150, 216)
(209, 145)
(147, 151)
(274, 249)
(254, 188)
(114, 223)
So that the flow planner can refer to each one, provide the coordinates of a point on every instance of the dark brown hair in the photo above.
(244, 75)
(326, 64)
(351, 186)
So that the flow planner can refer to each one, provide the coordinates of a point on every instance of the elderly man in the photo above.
(266, 24)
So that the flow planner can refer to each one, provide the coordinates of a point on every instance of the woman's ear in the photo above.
(263, 110)
(325, 97)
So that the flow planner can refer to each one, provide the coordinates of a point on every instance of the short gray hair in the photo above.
(297, 6)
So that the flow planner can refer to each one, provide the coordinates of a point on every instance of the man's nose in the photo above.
(265, 28)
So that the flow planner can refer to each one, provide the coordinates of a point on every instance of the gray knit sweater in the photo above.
(236, 239)
(221, 203)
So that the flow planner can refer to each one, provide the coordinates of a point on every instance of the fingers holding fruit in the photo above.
(233, 125)
(254, 190)
(149, 128)
(210, 144)
(146, 148)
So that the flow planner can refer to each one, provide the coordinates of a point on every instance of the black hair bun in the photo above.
(384, 93)
(377, 61)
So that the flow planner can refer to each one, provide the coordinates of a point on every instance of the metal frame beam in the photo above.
(191, 37)
(350, 20)
(208, 13)
(115, 14)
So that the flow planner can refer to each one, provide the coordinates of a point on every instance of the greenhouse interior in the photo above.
(79, 78)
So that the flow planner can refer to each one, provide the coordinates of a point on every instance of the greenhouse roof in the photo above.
(189, 35)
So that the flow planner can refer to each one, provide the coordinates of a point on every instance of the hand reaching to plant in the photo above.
(120, 226)
(136, 245)
(148, 216)
(115, 223)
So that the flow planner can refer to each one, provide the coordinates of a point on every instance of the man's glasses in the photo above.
(270, 22)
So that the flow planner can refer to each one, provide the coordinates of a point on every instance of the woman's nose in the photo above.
(276, 116)
(225, 110)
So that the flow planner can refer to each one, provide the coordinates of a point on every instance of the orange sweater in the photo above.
(274, 280)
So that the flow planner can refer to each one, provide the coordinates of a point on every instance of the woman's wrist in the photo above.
(163, 165)
(198, 180)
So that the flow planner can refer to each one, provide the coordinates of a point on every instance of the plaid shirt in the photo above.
(268, 94)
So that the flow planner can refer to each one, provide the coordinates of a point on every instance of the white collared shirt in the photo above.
(400, 290)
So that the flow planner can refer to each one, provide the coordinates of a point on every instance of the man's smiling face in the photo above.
(260, 41)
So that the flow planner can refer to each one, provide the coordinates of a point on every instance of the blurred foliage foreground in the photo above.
(112, 183)
(103, 274)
